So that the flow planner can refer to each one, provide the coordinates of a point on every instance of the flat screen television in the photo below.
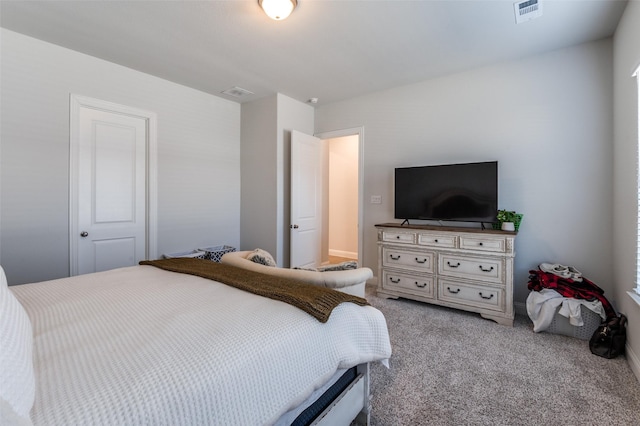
(452, 192)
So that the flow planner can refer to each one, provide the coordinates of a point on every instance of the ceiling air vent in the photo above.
(527, 10)
(237, 92)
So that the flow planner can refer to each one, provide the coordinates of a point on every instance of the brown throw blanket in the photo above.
(315, 300)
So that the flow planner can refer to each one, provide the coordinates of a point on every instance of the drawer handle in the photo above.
(486, 298)
(454, 266)
(394, 258)
(423, 285)
(486, 270)
(395, 281)
(421, 261)
(435, 241)
(480, 244)
(453, 292)
(398, 237)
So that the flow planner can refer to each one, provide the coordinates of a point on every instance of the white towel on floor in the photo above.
(542, 305)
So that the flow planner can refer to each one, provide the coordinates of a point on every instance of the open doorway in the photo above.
(342, 244)
(342, 183)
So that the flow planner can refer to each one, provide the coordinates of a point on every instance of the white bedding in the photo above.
(145, 346)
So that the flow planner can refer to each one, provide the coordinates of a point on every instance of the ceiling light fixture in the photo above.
(278, 9)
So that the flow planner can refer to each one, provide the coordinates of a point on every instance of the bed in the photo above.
(144, 345)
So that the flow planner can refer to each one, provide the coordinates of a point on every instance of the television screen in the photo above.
(456, 192)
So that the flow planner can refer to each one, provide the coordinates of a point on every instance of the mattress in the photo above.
(141, 345)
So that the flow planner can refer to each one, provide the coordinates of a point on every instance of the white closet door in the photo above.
(306, 200)
(111, 190)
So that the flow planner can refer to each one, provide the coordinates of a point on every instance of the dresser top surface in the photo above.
(445, 228)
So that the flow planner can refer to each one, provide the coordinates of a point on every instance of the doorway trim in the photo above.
(151, 179)
(353, 131)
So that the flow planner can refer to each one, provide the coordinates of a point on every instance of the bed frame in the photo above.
(351, 406)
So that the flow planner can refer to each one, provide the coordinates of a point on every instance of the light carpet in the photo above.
(451, 367)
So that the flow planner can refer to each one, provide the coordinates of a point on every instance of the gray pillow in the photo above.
(262, 257)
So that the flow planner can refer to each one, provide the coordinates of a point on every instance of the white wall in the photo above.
(547, 120)
(198, 155)
(625, 166)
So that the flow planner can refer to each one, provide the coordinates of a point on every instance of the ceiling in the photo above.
(326, 49)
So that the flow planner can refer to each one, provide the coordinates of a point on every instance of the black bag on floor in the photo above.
(610, 337)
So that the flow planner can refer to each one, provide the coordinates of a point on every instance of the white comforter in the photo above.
(143, 346)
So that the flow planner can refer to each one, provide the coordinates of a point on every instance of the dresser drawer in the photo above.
(413, 284)
(475, 268)
(399, 237)
(478, 296)
(480, 243)
(422, 261)
(435, 240)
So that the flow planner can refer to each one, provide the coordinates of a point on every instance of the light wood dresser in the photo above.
(463, 268)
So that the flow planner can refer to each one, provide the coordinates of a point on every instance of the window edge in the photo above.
(634, 296)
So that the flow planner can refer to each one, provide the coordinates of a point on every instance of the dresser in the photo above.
(462, 268)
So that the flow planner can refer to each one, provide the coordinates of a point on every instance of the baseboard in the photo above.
(633, 360)
(342, 253)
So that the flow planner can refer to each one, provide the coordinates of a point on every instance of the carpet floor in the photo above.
(451, 367)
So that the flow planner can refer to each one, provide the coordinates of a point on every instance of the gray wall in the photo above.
(198, 155)
(547, 120)
(625, 166)
(259, 175)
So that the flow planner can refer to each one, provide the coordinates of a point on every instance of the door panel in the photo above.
(115, 184)
(113, 253)
(112, 190)
(306, 200)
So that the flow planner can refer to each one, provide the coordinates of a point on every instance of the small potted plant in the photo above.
(509, 220)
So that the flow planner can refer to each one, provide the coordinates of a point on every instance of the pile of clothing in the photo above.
(554, 285)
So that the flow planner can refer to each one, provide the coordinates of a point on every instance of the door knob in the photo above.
(84, 234)
(294, 226)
